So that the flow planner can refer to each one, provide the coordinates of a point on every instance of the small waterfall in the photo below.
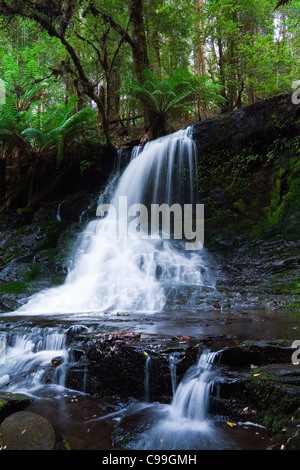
(32, 358)
(147, 379)
(58, 212)
(173, 361)
(186, 424)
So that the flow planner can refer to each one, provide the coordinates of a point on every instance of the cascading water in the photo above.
(136, 273)
(185, 424)
(33, 357)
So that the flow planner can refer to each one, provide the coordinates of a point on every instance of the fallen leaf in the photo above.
(187, 337)
(255, 375)
(144, 352)
(231, 424)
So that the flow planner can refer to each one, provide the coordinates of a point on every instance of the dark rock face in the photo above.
(115, 364)
(255, 352)
(255, 126)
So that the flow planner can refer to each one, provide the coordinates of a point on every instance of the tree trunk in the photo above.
(139, 50)
(2, 177)
(224, 106)
(199, 56)
(114, 98)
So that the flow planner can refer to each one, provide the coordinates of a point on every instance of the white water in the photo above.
(133, 274)
(27, 356)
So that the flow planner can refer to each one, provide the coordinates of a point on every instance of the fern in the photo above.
(54, 131)
(166, 94)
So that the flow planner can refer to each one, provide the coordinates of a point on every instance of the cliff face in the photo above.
(254, 127)
(249, 170)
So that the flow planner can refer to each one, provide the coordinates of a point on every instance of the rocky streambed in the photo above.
(256, 382)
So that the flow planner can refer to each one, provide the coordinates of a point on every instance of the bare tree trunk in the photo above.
(2, 177)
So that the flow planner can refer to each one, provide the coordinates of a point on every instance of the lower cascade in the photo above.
(185, 424)
(33, 357)
(142, 272)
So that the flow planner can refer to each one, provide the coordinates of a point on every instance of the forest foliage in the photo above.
(237, 51)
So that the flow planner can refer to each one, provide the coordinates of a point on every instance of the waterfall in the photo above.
(191, 399)
(147, 379)
(139, 273)
(186, 425)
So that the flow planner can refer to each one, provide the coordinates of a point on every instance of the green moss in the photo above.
(292, 287)
(294, 305)
(9, 257)
(32, 273)
(52, 232)
(240, 206)
(274, 399)
(66, 445)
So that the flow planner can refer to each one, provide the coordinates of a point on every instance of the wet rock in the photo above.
(255, 352)
(25, 430)
(51, 369)
(252, 126)
(115, 363)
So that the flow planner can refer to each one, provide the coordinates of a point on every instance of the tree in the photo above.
(24, 143)
(164, 96)
(67, 22)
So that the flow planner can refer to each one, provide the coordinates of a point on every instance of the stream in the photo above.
(94, 423)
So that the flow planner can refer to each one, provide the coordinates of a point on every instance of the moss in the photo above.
(52, 232)
(32, 273)
(293, 305)
(240, 206)
(292, 287)
(66, 445)
(274, 398)
(10, 257)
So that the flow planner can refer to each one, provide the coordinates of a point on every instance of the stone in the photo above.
(25, 430)
(11, 403)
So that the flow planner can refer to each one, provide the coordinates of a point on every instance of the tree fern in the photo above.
(55, 129)
(164, 95)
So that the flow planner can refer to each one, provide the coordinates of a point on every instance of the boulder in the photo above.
(25, 430)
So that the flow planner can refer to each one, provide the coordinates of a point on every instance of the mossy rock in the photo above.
(273, 392)
(11, 403)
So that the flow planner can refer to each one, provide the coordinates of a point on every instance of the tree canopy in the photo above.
(52, 50)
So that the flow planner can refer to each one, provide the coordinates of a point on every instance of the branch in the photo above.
(119, 29)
